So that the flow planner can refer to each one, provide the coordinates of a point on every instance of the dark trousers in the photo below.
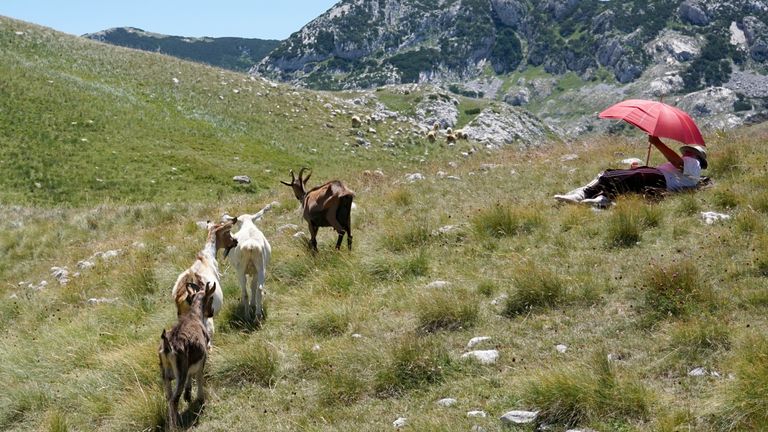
(614, 182)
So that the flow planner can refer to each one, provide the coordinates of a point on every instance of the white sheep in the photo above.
(250, 258)
(205, 270)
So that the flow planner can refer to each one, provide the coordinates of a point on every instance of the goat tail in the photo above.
(344, 212)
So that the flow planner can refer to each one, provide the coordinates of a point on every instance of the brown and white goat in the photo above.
(184, 350)
(327, 205)
(205, 270)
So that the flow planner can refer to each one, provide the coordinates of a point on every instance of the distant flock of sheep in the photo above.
(198, 294)
(451, 136)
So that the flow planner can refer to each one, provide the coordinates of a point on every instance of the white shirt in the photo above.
(687, 178)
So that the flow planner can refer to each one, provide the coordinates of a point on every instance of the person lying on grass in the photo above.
(679, 173)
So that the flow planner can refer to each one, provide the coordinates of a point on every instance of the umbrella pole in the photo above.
(648, 158)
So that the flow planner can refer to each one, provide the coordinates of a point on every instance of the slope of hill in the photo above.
(638, 318)
(238, 54)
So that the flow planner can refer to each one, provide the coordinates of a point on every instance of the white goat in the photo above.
(205, 270)
(250, 258)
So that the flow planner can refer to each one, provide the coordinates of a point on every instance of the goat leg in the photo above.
(256, 284)
(244, 295)
(201, 384)
(338, 242)
(173, 404)
(313, 236)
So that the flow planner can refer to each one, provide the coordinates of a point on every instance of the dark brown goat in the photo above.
(184, 350)
(327, 205)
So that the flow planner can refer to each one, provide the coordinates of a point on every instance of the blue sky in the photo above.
(263, 19)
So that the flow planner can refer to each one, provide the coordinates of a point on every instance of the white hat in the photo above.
(700, 151)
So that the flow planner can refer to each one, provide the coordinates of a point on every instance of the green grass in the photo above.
(593, 393)
(353, 340)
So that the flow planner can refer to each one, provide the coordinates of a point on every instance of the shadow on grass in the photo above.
(191, 417)
(236, 318)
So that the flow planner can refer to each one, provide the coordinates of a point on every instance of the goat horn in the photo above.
(302, 172)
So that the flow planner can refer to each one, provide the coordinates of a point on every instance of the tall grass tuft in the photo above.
(726, 199)
(502, 220)
(446, 309)
(57, 422)
(587, 394)
(486, 288)
(252, 362)
(675, 290)
(760, 256)
(746, 397)
(624, 226)
(687, 204)
(408, 237)
(329, 321)
(399, 268)
(341, 387)
(146, 411)
(534, 288)
(415, 362)
(695, 341)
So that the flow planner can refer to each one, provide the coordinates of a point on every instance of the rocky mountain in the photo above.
(233, 53)
(561, 59)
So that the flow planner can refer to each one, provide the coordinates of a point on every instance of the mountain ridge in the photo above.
(232, 53)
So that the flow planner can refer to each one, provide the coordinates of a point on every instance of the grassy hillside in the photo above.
(138, 126)
(354, 340)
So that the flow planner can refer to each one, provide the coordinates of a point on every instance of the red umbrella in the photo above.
(656, 118)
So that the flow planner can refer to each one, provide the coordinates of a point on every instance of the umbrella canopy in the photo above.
(657, 119)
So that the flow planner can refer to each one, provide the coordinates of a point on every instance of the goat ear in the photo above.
(208, 312)
(227, 218)
(286, 183)
(163, 336)
(210, 287)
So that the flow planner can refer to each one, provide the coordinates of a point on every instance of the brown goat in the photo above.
(327, 205)
(184, 350)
